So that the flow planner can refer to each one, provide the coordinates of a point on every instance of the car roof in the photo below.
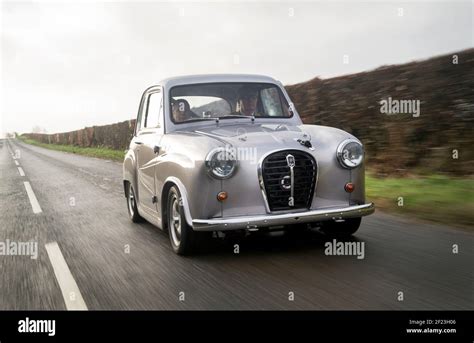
(210, 78)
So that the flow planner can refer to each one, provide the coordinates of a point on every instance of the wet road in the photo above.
(111, 263)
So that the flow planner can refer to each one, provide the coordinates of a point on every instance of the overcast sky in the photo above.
(66, 66)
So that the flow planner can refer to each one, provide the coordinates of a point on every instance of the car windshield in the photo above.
(227, 100)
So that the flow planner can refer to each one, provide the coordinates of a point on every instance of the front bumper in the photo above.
(254, 222)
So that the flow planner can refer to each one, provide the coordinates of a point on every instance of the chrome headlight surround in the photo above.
(221, 163)
(350, 153)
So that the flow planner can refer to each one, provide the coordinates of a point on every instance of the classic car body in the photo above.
(271, 170)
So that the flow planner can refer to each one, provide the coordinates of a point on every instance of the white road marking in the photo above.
(34, 202)
(20, 170)
(71, 293)
(16, 162)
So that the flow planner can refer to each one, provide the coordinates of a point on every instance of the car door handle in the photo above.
(156, 149)
(138, 143)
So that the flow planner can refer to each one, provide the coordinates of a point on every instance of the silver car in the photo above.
(213, 153)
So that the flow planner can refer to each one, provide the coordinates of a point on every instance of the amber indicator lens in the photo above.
(349, 187)
(221, 196)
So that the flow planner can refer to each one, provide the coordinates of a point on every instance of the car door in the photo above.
(146, 144)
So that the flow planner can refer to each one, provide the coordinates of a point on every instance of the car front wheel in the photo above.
(132, 204)
(341, 229)
(182, 236)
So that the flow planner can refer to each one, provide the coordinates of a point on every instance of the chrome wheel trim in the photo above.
(174, 221)
(131, 201)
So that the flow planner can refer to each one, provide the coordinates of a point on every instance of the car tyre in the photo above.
(182, 236)
(341, 229)
(132, 204)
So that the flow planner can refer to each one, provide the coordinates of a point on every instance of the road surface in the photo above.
(91, 256)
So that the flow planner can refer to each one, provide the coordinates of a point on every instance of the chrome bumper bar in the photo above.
(254, 222)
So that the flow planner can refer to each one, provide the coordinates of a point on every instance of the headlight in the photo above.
(350, 153)
(221, 163)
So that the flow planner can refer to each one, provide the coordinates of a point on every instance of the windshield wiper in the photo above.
(198, 119)
(231, 116)
(217, 119)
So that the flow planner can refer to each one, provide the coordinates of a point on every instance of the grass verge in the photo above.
(436, 198)
(105, 153)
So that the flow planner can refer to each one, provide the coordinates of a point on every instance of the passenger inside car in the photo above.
(181, 110)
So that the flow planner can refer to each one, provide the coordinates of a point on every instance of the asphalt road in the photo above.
(116, 264)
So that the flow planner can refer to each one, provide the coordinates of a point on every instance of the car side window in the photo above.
(154, 109)
(141, 116)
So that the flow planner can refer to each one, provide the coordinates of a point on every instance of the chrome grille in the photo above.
(276, 176)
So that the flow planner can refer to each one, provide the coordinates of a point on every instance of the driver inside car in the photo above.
(247, 101)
